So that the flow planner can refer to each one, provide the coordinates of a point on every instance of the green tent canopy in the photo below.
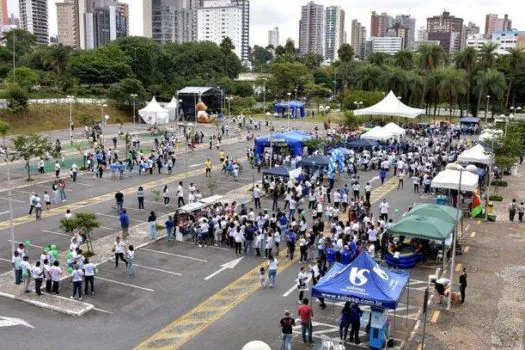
(424, 227)
(441, 212)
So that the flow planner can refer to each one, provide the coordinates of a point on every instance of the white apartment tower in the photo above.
(34, 19)
(334, 32)
(273, 37)
(312, 29)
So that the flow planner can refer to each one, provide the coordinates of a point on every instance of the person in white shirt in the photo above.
(238, 238)
(77, 276)
(368, 191)
(302, 282)
(257, 197)
(180, 195)
(272, 270)
(118, 248)
(302, 249)
(131, 260)
(268, 246)
(55, 272)
(38, 276)
(384, 208)
(41, 166)
(26, 273)
(89, 276)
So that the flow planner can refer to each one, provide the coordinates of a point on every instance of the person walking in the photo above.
(287, 324)
(47, 275)
(521, 211)
(140, 197)
(344, 320)
(257, 197)
(302, 282)
(77, 276)
(272, 270)
(57, 169)
(166, 195)
(62, 190)
(306, 313)
(384, 208)
(32, 202)
(16, 262)
(355, 321)
(38, 276)
(124, 223)
(180, 195)
(119, 201)
(152, 223)
(170, 225)
(89, 276)
(26, 273)
(207, 166)
(131, 261)
(74, 172)
(512, 209)
(119, 249)
(463, 284)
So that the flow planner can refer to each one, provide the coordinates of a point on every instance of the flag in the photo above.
(477, 207)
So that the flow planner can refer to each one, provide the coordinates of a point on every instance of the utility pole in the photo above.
(134, 96)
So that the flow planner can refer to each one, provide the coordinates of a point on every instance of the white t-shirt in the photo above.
(119, 247)
(89, 269)
(77, 275)
(272, 265)
(55, 273)
(384, 207)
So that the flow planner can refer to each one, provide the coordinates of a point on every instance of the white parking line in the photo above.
(124, 284)
(32, 245)
(56, 233)
(289, 291)
(107, 228)
(107, 215)
(6, 260)
(158, 270)
(4, 212)
(14, 200)
(83, 184)
(176, 255)
(102, 310)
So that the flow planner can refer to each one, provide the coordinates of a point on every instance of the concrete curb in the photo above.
(86, 306)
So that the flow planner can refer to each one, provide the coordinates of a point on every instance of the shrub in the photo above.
(501, 183)
(496, 198)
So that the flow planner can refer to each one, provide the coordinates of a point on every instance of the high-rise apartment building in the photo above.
(379, 24)
(4, 13)
(358, 39)
(104, 21)
(334, 31)
(273, 37)
(495, 24)
(218, 20)
(34, 19)
(448, 30)
(245, 35)
(471, 29)
(67, 23)
(407, 25)
(388, 45)
(312, 29)
(173, 21)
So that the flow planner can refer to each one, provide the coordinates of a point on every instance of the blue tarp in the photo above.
(296, 108)
(469, 120)
(343, 150)
(277, 171)
(315, 161)
(363, 143)
(364, 282)
(293, 139)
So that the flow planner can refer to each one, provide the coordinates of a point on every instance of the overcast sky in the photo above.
(285, 14)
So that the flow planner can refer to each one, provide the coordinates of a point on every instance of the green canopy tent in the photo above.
(424, 227)
(441, 212)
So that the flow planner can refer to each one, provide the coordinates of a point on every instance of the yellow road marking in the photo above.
(458, 267)
(467, 248)
(192, 323)
(478, 222)
(473, 234)
(420, 347)
(435, 317)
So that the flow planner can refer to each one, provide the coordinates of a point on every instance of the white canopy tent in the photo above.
(172, 108)
(154, 114)
(450, 179)
(394, 129)
(377, 133)
(475, 154)
(391, 106)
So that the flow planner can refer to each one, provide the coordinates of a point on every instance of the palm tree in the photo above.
(368, 77)
(487, 55)
(404, 59)
(58, 58)
(516, 62)
(453, 84)
(430, 56)
(490, 82)
(467, 60)
(396, 81)
(378, 58)
(431, 91)
(416, 86)
(346, 55)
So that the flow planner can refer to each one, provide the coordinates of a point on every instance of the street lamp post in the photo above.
(10, 200)
(264, 95)
(71, 99)
(229, 98)
(454, 237)
(134, 97)
(102, 106)
(289, 108)
(487, 109)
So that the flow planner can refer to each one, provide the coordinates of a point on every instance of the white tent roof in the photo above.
(154, 114)
(394, 129)
(475, 154)
(377, 133)
(173, 104)
(450, 179)
(391, 106)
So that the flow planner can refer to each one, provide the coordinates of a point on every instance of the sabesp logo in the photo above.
(357, 277)
(380, 272)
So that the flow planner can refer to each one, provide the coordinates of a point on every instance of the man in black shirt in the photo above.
(463, 284)
(119, 198)
(287, 324)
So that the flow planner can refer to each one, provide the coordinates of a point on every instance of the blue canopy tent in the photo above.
(294, 140)
(364, 282)
(363, 143)
(281, 171)
(315, 161)
(295, 108)
(469, 120)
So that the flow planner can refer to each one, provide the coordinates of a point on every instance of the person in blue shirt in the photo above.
(345, 319)
(124, 223)
(170, 225)
(346, 256)
(291, 238)
(355, 320)
(330, 256)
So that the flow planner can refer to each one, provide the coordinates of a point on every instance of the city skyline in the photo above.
(286, 14)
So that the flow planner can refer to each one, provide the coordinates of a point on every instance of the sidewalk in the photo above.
(514, 190)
